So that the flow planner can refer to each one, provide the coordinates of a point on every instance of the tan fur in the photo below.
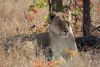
(61, 35)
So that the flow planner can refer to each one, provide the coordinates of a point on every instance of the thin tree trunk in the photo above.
(86, 18)
(55, 5)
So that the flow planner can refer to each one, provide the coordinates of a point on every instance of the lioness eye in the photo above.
(68, 23)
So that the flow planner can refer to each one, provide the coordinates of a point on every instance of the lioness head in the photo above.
(60, 25)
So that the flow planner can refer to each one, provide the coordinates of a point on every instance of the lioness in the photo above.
(61, 35)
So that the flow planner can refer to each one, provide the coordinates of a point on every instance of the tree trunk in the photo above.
(55, 5)
(86, 18)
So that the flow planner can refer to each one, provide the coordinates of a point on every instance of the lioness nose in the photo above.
(65, 31)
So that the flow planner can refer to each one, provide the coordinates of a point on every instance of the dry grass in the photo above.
(23, 55)
(13, 15)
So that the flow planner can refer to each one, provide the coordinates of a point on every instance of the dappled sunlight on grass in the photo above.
(43, 63)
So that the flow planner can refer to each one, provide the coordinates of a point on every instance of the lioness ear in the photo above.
(52, 15)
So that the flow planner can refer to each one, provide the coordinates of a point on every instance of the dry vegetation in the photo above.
(13, 22)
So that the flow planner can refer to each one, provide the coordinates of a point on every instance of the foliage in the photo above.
(76, 12)
(46, 18)
(38, 4)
